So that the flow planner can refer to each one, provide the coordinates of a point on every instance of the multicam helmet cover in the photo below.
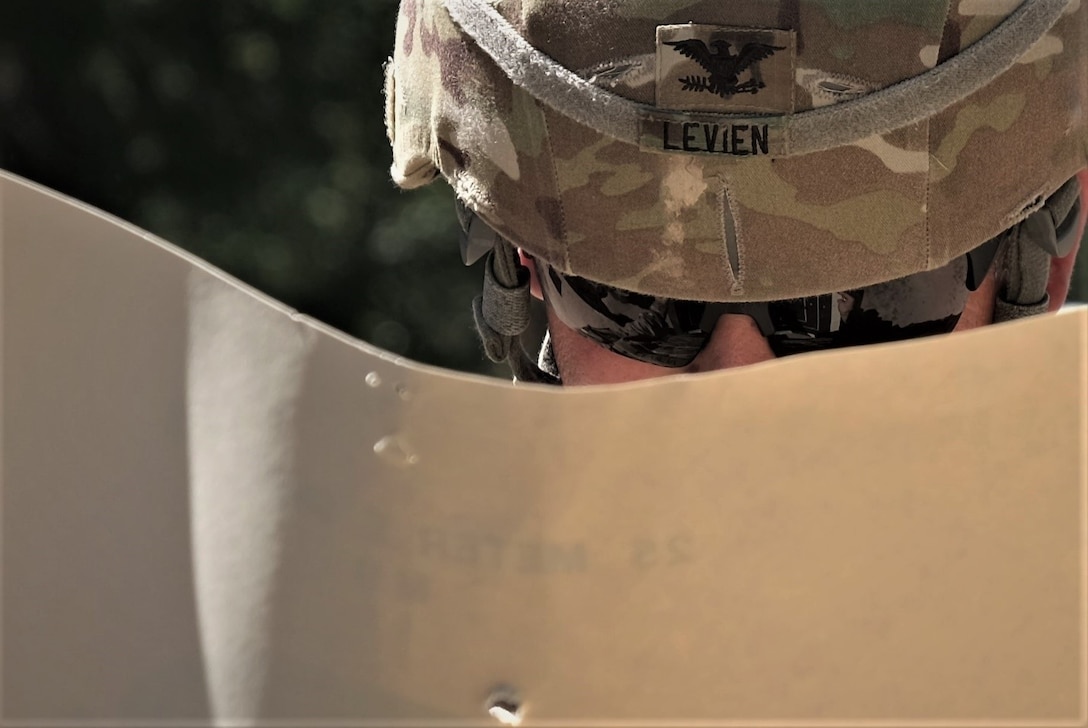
(743, 151)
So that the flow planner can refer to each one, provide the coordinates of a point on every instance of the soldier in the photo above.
(697, 185)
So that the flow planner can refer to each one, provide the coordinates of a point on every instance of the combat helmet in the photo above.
(745, 151)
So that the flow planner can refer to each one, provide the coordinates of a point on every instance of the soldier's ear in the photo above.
(534, 280)
(1061, 269)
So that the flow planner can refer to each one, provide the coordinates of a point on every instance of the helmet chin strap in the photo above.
(502, 313)
(1028, 247)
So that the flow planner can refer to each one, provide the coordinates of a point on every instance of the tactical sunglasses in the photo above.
(671, 333)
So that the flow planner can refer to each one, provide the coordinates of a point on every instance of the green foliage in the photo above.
(251, 133)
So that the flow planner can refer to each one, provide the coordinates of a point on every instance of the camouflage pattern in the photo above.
(720, 217)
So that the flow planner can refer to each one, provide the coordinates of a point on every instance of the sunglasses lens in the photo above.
(653, 330)
(675, 350)
(924, 304)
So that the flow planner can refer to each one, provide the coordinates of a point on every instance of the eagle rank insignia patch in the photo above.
(710, 68)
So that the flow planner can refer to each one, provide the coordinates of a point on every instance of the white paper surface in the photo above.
(214, 510)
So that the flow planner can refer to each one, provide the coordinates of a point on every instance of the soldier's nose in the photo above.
(735, 342)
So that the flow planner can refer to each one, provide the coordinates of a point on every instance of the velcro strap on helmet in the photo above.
(1006, 311)
(502, 314)
(1049, 232)
(505, 308)
(908, 102)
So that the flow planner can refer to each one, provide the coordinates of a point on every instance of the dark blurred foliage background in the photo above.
(250, 132)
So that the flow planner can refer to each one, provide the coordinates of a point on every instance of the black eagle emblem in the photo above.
(724, 66)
